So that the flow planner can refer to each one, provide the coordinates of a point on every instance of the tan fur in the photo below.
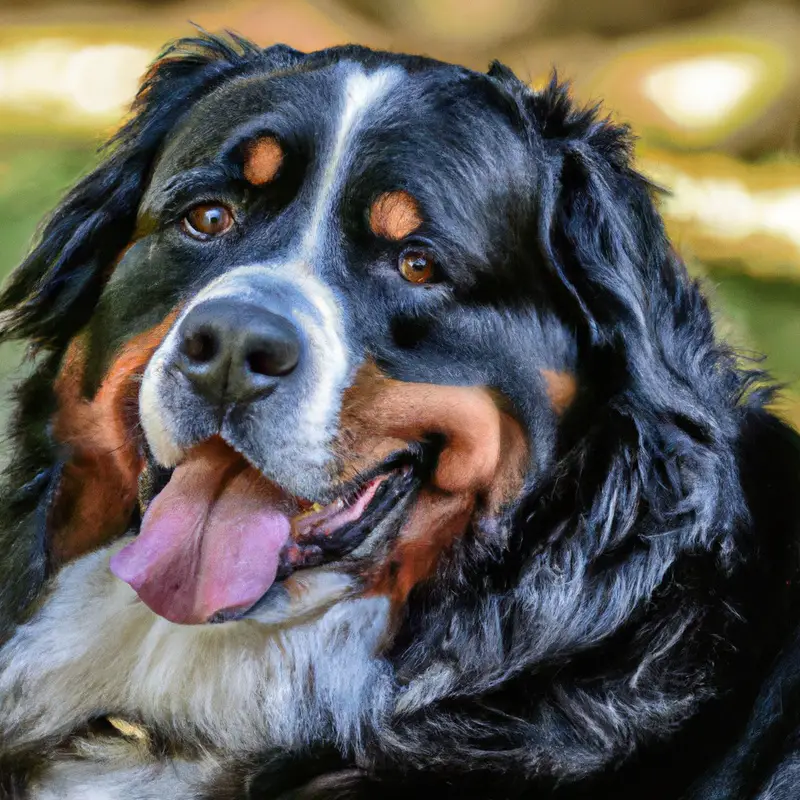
(561, 389)
(263, 159)
(99, 484)
(482, 463)
(394, 215)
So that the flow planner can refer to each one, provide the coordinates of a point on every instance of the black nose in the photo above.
(234, 351)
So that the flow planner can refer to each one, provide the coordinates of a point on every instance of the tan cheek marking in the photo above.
(98, 488)
(394, 215)
(509, 478)
(481, 467)
(263, 159)
(436, 522)
(386, 414)
(561, 389)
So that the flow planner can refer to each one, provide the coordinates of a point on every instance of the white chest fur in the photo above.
(305, 668)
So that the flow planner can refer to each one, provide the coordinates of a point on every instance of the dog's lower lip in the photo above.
(318, 545)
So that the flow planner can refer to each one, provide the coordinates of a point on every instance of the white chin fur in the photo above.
(163, 448)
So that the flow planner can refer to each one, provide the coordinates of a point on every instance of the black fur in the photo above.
(637, 633)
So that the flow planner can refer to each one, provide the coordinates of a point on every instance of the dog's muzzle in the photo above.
(259, 358)
(240, 405)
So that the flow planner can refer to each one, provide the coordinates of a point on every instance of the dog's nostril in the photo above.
(280, 358)
(259, 363)
(200, 347)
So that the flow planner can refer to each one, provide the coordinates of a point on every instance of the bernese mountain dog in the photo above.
(377, 442)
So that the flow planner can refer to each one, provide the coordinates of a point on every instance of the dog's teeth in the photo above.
(312, 509)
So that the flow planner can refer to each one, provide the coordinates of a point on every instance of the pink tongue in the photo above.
(209, 542)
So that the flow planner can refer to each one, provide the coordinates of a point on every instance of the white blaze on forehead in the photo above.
(324, 329)
(362, 91)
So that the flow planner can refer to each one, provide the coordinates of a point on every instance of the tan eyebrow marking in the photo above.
(262, 160)
(561, 389)
(394, 215)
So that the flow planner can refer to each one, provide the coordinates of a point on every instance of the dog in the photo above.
(377, 440)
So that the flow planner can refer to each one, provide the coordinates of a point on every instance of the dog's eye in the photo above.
(207, 221)
(417, 266)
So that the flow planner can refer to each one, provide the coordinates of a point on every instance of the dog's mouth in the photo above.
(216, 534)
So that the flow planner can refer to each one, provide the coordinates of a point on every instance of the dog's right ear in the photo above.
(53, 292)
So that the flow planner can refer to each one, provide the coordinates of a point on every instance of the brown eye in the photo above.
(207, 221)
(417, 266)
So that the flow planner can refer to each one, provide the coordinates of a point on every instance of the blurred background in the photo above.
(712, 87)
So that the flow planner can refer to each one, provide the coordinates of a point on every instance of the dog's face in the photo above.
(330, 283)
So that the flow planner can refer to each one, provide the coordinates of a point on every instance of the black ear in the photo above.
(600, 233)
(52, 293)
(599, 228)
(671, 393)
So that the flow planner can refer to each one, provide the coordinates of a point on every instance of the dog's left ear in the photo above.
(601, 235)
(646, 332)
(598, 226)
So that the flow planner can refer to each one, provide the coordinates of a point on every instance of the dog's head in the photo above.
(327, 290)
(354, 322)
